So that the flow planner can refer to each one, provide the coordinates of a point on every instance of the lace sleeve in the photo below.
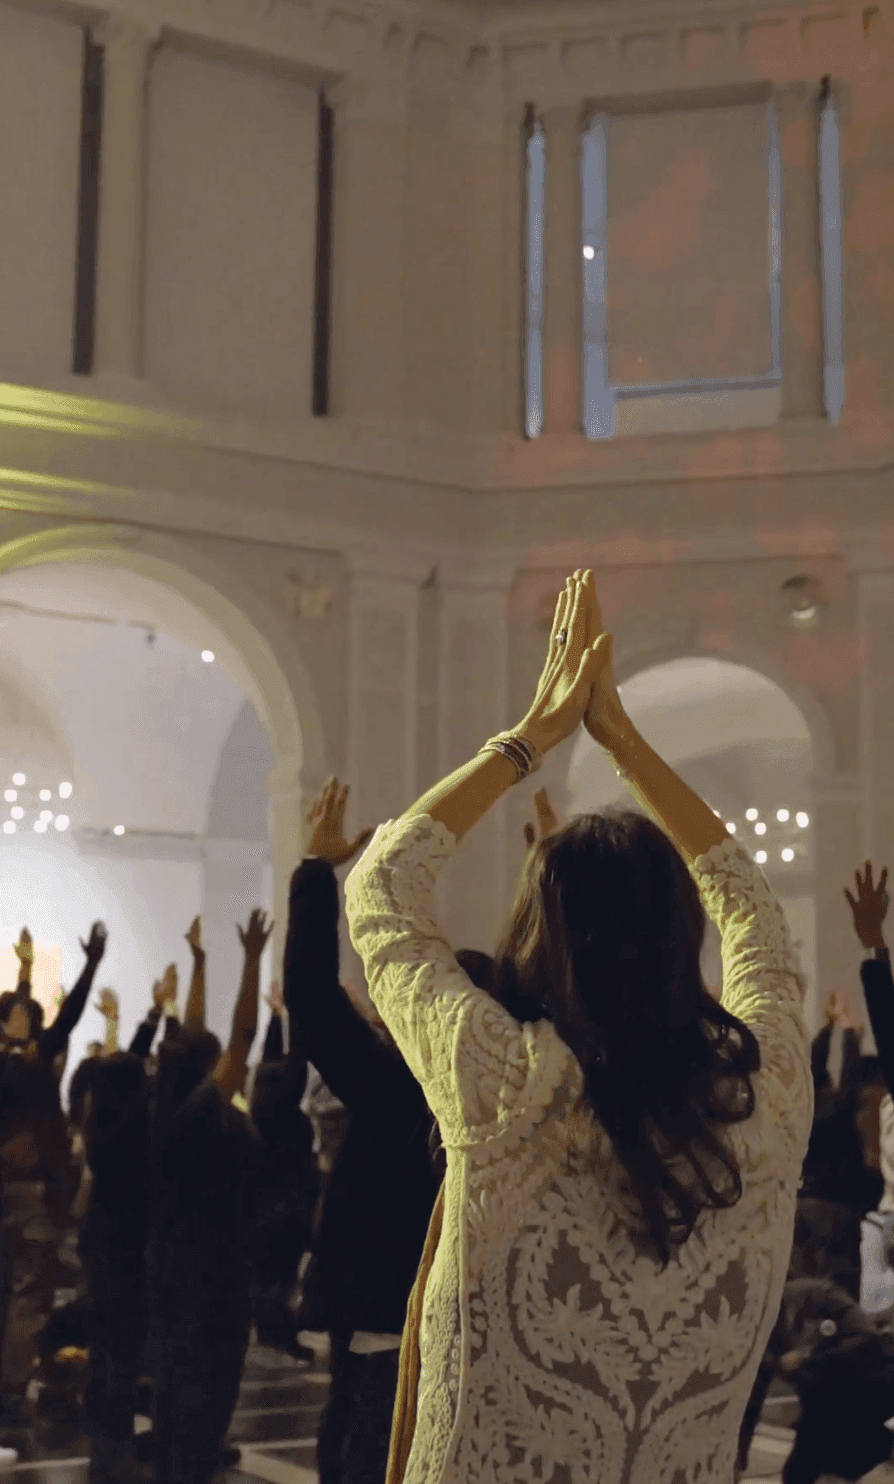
(479, 1068)
(763, 984)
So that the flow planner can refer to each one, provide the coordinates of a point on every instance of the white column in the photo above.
(127, 47)
(473, 697)
(370, 164)
(837, 833)
(563, 277)
(802, 346)
(876, 621)
(383, 706)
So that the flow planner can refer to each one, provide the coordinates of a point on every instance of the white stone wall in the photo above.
(191, 452)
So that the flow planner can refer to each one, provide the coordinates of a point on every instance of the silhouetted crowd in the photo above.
(186, 1201)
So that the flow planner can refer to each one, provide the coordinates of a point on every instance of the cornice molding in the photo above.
(615, 47)
(426, 455)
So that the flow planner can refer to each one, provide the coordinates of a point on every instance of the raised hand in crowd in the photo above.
(24, 952)
(194, 1014)
(870, 907)
(327, 821)
(108, 1007)
(108, 1004)
(254, 937)
(95, 946)
(839, 1011)
(164, 990)
(194, 936)
(547, 819)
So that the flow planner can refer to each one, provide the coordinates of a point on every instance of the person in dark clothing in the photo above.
(383, 1188)
(39, 1179)
(21, 1017)
(114, 1108)
(837, 1188)
(38, 1175)
(869, 911)
(289, 1187)
(206, 1169)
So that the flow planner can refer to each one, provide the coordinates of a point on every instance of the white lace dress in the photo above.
(552, 1348)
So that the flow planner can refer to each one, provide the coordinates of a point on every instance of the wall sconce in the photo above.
(803, 600)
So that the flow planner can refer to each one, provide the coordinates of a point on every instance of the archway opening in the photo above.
(736, 738)
(116, 683)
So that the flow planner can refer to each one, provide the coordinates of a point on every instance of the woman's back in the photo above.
(551, 1343)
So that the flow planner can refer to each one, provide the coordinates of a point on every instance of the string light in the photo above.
(760, 829)
(62, 822)
(783, 816)
(751, 813)
(802, 820)
(65, 790)
(760, 857)
(18, 812)
(10, 795)
(9, 827)
(46, 794)
(208, 656)
(19, 778)
(118, 830)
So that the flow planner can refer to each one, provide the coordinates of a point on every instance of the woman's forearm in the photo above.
(460, 800)
(233, 1067)
(692, 826)
(195, 1004)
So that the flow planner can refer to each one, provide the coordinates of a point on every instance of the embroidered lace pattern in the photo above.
(552, 1347)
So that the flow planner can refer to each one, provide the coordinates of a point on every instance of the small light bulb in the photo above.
(65, 790)
(40, 826)
(9, 828)
(118, 830)
(46, 814)
(803, 820)
(788, 854)
(19, 778)
(46, 794)
(61, 822)
(589, 253)
(760, 829)
(10, 795)
(761, 857)
(208, 656)
(17, 812)
(751, 814)
(732, 827)
(783, 816)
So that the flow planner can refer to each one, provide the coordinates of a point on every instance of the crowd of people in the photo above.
(472, 1174)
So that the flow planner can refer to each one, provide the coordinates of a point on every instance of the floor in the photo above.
(280, 1402)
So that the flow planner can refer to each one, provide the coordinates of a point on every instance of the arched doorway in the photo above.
(132, 587)
(743, 744)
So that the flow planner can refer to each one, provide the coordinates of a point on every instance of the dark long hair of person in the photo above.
(605, 941)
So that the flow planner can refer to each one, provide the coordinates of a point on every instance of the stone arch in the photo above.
(254, 645)
(288, 709)
(628, 664)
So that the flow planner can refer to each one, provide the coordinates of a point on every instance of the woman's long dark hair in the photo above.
(605, 941)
